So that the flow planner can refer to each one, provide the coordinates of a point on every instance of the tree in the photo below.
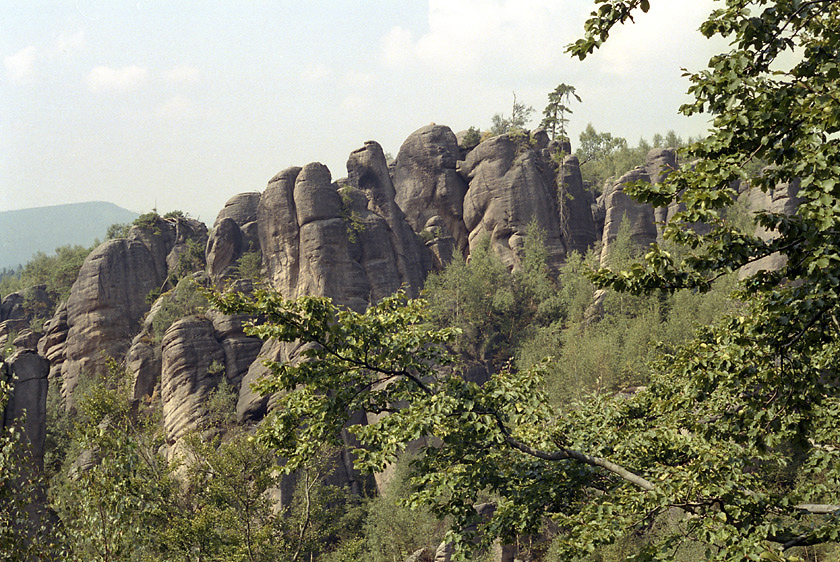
(554, 114)
(519, 116)
(731, 448)
(761, 385)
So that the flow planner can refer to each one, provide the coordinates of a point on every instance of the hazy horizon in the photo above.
(152, 104)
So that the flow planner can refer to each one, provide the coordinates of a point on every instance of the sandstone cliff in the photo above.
(355, 240)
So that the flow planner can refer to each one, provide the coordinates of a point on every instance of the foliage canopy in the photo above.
(736, 430)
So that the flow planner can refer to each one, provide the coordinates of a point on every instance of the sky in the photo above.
(164, 104)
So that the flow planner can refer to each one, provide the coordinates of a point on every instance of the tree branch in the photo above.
(567, 454)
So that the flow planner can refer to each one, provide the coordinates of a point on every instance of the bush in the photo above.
(471, 139)
(249, 266)
(394, 531)
(58, 272)
(185, 300)
(117, 230)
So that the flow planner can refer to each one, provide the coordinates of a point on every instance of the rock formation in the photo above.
(347, 240)
(620, 210)
(27, 372)
(429, 189)
(782, 199)
(109, 296)
(577, 224)
(192, 366)
(235, 231)
(510, 186)
(354, 240)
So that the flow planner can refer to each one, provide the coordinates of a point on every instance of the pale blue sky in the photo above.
(184, 104)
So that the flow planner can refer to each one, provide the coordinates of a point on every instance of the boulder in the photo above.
(27, 339)
(241, 208)
(11, 307)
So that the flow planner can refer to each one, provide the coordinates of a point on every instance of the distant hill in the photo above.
(43, 229)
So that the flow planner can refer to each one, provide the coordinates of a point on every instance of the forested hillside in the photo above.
(489, 348)
(25, 232)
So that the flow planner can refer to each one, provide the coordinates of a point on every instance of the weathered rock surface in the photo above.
(224, 246)
(620, 209)
(368, 171)
(53, 343)
(189, 348)
(577, 225)
(241, 208)
(109, 296)
(509, 187)
(11, 307)
(279, 232)
(143, 362)
(27, 372)
(240, 350)
(782, 199)
(428, 184)
(27, 339)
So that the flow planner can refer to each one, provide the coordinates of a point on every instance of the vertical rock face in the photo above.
(279, 232)
(28, 373)
(225, 245)
(143, 361)
(429, 187)
(53, 344)
(621, 208)
(577, 225)
(782, 199)
(234, 232)
(351, 243)
(109, 296)
(659, 163)
(189, 353)
(509, 187)
(105, 307)
(368, 172)
(326, 267)
(240, 350)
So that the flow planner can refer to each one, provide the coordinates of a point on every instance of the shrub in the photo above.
(185, 300)
(471, 139)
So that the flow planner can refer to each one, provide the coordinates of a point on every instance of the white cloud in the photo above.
(20, 67)
(316, 72)
(654, 38)
(67, 43)
(176, 107)
(183, 74)
(397, 48)
(356, 103)
(104, 79)
(499, 36)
